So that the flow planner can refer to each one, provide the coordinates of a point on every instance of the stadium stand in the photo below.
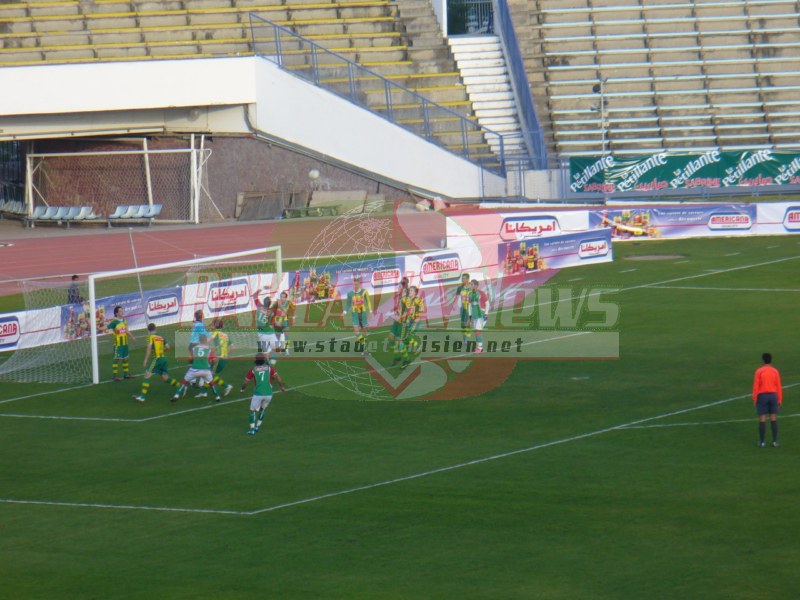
(400, 40)
(676, 75)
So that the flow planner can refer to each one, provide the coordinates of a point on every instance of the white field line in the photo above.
(387, 482)
(628, 270)
(733, 254)
(121, 506)
(680, 262)
(699, 423)
(722, 289)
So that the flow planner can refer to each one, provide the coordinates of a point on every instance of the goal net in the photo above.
(49, 352)
(66, 336)
(175, 179)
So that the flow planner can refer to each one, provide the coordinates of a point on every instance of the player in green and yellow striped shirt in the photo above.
(221, 344)
(119, 328)
(412, 310)
(359, 306)
(155, 362)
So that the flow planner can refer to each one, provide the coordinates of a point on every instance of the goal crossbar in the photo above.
(94, 277)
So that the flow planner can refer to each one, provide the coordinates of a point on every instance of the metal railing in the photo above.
(469, 17)
(326, 69)
(529, 121)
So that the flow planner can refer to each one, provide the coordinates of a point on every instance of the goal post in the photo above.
(220, 285)
(175, 179)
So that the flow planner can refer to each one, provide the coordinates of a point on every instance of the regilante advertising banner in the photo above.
(665, 171)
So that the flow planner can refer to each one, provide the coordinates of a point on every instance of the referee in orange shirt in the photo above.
(767, 398)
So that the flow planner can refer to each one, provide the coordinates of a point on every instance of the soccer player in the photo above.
(267, 340)
(283, 317)
(198, 329)
(262, 374)
(359, 306)
(477, 313)
(767, 398)
(412, 309)
(221, 344)
(200, 369)
(462, 299)
(155, 362)
(396, 330)
(119, 327)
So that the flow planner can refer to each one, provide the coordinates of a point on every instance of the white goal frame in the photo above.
(199, 199)
(94, 277)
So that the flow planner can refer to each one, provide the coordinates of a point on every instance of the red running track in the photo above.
(57, 253)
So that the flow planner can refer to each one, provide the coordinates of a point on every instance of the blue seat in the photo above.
(138, 211)
(119, 212)
(72, 212)
(49, 212)
(153, 211)
(38, 212)
(85, 212)
(61, 213)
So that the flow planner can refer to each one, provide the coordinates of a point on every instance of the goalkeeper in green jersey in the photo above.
(155, 362)
(359, 306)
(262, 374)
(118, 326)
(200, 371)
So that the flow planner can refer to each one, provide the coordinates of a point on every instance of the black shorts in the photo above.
(767, 403)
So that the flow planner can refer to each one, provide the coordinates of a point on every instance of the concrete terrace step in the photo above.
(438, 95)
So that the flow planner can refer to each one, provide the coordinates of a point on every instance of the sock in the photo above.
(174, 382)
(479, 339)
(215, 390)
(145, 387)
(261, 417)
(762, 429)
(125, 367)
(115, 369)
(218, 381)
(181, 388)
(774, 425)
(252, 419)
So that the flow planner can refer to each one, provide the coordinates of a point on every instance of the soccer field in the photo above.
(629, 478)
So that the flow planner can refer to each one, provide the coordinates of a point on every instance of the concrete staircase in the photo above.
(482, 65)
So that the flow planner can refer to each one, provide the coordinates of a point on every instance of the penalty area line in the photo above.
(494, 457)
(411, 477)
(123, 507)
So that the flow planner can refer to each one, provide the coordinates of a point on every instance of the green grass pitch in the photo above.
(632, 478)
